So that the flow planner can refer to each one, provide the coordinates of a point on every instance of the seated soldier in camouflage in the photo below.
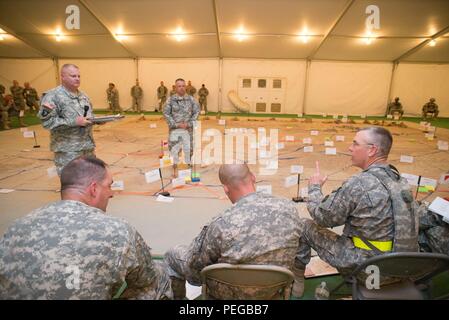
(4, 107)
(433, 233)
(430, 108)
(364, 205)
(70, 249)
(395, 107)
(257, 229)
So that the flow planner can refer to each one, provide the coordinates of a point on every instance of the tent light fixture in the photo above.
(432, 43)
(58, 35)
(179, 34)
(240, 34)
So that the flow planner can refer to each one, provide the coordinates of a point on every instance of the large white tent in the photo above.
(320, 50)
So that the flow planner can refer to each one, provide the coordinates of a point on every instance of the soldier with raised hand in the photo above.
(137, 94)
(65, 111)
(191, 90)
(203, 93)
(31, 97)
(113, 98)
(162, 92)
(376, 207)
(19, 101)
(70, 249)
(257, 229)
(181, 112)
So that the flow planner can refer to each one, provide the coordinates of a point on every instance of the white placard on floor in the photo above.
(411, 178)
(23, 129)
(118, 185)
(153, 125)
(443, 145)
(330, 151)
(185, 173)
(307, 140)
(406, 159)
(314, 133)
(6, 190)
(296, 169)
(289, 138)
(176, 182)
(28, 134)
(291, 181)
(152, 176)
(328, 143)
(440, 206)
(389, 116)
(340, 138)
(162, 198)
(428, 182)
(264, 188)
(222, 122)
(308, 149)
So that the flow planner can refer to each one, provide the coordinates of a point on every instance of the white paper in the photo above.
(396, 117)
(363, 116)
(6, 190)
(153, 125)
(28, 134)
(222, 122)
(314, 133)
(328, 143)
(340, 138)
(423, 123)
(389, 116)
(152, 176)
(411, 178)
(185, 173)
(429, 136)
(406, 159)
(331, 151)
(291, 181)
(431, 128)
(280, 145)
(296, 169)
(51, 172)
(180, 181)
(118, 185)
(307, 140)
(21, 113)
(344, 119)
(308, 149)
(165, 161)
(272, 165)
(428, 182)
(23, 129)
(440, 206)
(443, 145)
(335, 116)
(324, 115)
(289, 138)
(161, 198)
(264, 188)
(192, 292)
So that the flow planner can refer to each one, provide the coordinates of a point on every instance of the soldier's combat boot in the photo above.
(178, 287)
(298, 284)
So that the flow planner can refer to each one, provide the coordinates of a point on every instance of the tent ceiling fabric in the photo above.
(271, 27)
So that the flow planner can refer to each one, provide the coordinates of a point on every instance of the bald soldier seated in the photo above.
(70, 249)
(257, 229)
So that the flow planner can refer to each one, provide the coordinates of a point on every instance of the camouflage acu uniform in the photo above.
(67, 140)
(4, 109)
(430, 107)
(162, 96)
(190, 90)
(69, 250)
(203, 93)
(31, 98)
(113, 100)
(395, 107)
(19, 100)
(257, 229)
(177, 110)
(363, 205)
(136, 94)
(433, 233)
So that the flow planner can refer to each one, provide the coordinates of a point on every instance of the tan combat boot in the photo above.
(298, 284)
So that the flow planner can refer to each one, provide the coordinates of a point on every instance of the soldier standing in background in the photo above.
(190, 90)
(113, 98)
(31, 97)
(162, 92)
(19, 101)
(203, 93)
(136, 94)
(173, 90)
(4, 107)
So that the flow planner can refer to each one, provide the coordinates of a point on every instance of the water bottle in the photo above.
(322, 292)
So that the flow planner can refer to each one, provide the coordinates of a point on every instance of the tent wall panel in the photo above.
(292, 70)
(96, 75)
(415, 84)
(348, 88)
(40, 73)
(198, 71)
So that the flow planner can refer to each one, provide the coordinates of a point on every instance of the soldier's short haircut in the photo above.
(180, 79)
(68, 65)
(380, 137)
(81, 172)
(234, 174)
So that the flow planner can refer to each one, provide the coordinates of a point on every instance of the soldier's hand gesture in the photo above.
(317, 178)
